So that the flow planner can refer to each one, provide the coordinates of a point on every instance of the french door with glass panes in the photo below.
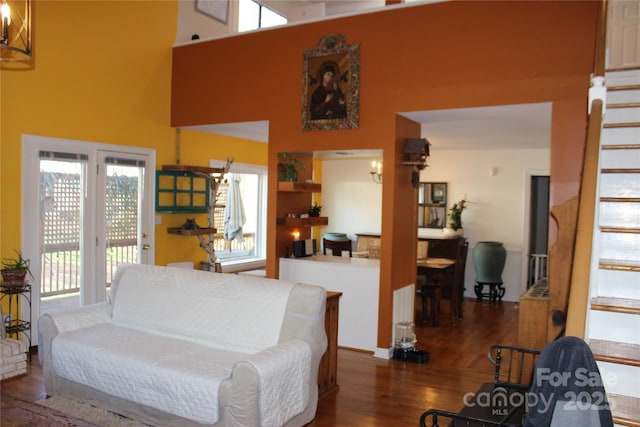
(87, 208)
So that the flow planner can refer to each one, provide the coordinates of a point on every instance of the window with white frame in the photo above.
(253, 15)
(248, 249)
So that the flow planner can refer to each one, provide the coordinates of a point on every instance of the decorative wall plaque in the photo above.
(331, 84)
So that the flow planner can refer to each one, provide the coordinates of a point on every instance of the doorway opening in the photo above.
(538, 229)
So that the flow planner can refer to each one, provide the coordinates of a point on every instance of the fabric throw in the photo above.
(234, 216)
(284, 373)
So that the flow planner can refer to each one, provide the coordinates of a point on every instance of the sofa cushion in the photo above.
(172, 375)
(177, 302)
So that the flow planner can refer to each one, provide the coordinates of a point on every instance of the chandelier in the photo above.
(15, 30)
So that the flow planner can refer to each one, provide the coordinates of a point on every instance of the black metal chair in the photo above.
(498, 403)
(568, 390)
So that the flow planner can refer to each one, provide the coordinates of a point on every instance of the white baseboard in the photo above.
(383, 353)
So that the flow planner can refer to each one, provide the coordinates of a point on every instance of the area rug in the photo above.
(89, 413)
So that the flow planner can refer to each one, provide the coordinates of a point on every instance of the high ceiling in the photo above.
(495, 127)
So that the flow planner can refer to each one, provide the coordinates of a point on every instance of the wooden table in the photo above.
(435, 269)
(436, 263)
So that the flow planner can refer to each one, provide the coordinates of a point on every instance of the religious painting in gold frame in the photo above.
(331, 84)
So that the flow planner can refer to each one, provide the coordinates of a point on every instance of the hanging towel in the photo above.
(234, 217)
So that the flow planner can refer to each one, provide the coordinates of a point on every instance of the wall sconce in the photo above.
(376, 172)
(15, 31)
(416, 153)
(296, 235)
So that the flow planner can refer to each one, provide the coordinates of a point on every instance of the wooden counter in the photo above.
(328, 370)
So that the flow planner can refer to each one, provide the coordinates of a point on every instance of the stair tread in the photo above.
(624, 105)
(620, 199)
(630, 230)
(615, 264)
(625, 409)
(621, 125)
(619, 305)
(620, 170)
(620, 69)
(622, 87)
(621, 147)
(616, 352)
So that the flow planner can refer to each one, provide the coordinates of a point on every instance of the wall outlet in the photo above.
(6, 318)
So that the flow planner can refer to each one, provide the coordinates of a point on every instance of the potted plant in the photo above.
(454, 221)
(15, 269)
(314, 210)
(289, 167)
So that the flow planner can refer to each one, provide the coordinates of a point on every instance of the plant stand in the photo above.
(495, 294)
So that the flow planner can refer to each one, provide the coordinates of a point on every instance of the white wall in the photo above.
(351, 200)
(497, 209)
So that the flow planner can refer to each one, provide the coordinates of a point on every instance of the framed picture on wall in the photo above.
(217, 9)
(331, 83)
(438, 192)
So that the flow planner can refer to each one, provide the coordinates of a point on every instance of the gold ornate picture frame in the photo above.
(331, 85)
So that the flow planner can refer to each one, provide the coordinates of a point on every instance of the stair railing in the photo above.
(582, 257)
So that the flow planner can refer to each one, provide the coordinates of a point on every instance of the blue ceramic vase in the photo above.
(489, 259)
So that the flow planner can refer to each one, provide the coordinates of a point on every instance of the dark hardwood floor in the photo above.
(373, 392)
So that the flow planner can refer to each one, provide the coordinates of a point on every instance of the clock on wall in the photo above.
(217, 9)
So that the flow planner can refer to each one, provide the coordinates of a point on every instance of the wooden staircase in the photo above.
(613, 318)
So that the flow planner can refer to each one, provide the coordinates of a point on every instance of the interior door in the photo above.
(538, 228)
(623, 34)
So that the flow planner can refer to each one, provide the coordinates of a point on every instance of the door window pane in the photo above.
(122, 215)
(61, 212)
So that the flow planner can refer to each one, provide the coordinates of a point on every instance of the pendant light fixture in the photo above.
(15, 31)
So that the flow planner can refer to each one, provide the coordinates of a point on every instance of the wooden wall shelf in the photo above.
(304, 222)
(299, 187)
(196, 232)
(199, 169)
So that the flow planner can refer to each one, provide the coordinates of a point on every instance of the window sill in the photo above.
(243, 265)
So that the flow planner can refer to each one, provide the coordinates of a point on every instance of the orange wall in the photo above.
(398, 243)
(439, 56)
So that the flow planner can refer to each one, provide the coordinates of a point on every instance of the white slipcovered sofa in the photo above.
(177, 347)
